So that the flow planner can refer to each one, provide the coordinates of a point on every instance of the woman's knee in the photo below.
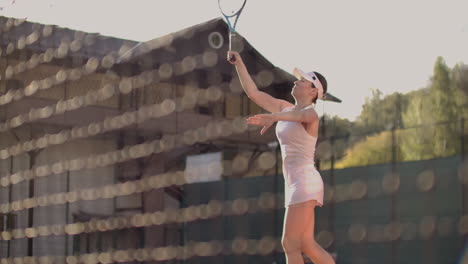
(291, 244)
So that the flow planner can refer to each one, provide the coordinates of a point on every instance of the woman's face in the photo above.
(302, 88)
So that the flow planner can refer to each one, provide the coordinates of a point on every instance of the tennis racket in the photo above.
(231, 9)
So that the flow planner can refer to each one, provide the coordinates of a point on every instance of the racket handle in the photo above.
(231, 58)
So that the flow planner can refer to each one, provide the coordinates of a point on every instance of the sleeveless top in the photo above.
(297, 145)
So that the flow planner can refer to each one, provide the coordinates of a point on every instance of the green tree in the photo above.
(433, 112)
(460, 88)
(369, 140)
(428, 119)
(417, 137)
(381, 113)
(375, 149)
(443, 97)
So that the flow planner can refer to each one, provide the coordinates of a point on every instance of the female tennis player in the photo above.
(297, 131)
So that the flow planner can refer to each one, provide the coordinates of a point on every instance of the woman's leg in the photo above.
(310, 247)
(296, 221)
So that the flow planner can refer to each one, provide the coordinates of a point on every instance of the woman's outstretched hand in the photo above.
(265, 120)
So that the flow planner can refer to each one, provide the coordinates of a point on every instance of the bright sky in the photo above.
(358, 45)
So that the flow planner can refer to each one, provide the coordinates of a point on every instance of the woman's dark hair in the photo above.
(323, 81)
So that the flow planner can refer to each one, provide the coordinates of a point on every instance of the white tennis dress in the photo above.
(302, 181)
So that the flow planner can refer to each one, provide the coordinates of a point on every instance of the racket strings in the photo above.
(231, 8)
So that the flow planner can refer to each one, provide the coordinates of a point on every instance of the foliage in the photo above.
(426, 122)
(373, 149)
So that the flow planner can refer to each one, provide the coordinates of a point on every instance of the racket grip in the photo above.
(231, 58)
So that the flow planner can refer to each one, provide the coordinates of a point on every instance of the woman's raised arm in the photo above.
(262, 99)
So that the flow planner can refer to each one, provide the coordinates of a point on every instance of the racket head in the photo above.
(230, 8)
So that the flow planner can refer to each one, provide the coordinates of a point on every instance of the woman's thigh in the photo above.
(298, 219)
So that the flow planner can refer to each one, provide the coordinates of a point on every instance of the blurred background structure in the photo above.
(117, 151)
